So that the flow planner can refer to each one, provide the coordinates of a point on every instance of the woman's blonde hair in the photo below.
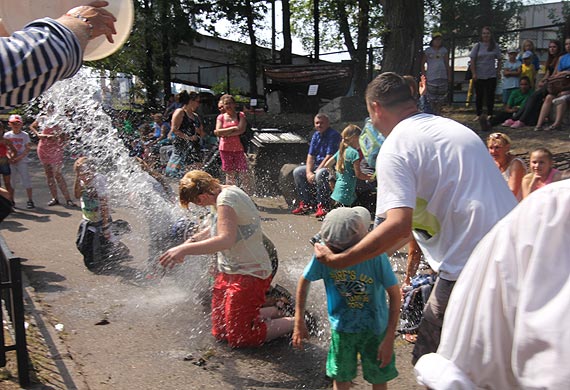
(227, 99)
(504, 139)
(194, 184)
(348, 132)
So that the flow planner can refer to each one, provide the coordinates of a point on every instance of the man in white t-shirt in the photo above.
(435, 179)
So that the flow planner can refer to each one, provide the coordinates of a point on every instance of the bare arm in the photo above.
(105, 216)
(413, 262)
(526, 184)
(325, 161)
(396, 228)
(330, 163)
(386, 348)
(358, 172)
(300, 331)
(515, 179)
(226, 238)
(309, 168)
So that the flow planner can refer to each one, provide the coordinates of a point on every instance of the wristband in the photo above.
(83, 19)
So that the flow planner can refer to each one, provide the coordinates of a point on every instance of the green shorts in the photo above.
(342, 359)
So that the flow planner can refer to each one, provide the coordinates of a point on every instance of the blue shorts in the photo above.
(342, 358)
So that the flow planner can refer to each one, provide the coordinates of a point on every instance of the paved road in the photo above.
(123, 330)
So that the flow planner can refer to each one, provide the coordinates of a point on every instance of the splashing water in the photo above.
(72, 105)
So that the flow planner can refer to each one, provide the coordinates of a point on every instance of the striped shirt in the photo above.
(33, 59)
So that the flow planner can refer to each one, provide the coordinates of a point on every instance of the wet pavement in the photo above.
(128, 329)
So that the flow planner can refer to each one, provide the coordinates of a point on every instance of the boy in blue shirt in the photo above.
(360, 319)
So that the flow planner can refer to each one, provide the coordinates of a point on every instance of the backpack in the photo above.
(247, 135)
(370, 142)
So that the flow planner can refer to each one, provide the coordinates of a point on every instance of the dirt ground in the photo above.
(156, 331)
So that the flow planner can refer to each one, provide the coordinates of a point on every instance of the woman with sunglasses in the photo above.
(512, 168)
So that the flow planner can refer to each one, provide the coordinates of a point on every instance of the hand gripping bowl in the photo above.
(15, 14)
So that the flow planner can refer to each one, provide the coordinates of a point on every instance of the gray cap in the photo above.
(345, 226)
(513, 50)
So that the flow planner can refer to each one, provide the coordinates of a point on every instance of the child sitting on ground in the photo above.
(94, 238)
(347, 160)
(361, 323)
(541, 172)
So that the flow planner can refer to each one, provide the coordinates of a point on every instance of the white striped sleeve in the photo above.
(36, 57)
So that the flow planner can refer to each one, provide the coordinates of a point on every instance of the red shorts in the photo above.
(236, 301)
(233, 161)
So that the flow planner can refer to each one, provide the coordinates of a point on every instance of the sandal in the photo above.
(554, 128)
(53, 202)
(70, 203)
(538, 128)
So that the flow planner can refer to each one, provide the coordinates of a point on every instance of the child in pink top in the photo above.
(542, 171)
(229, 126)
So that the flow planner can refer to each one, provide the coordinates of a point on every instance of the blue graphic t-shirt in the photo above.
(356, 296)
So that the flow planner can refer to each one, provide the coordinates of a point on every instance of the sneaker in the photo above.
(508, 123)
(302, 209)
(53, 202)
(538, 128)
(30, 205)
(517, 125)
(321, 211)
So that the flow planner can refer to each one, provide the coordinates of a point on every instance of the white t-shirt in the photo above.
(443, 171)
(19, 141)
(248, 255)
(506, 324)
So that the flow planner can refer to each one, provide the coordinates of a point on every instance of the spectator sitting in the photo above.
(563, 65)
(541, 173)
(311, 179)
(530, 111)
(515, 106)
(512, 168)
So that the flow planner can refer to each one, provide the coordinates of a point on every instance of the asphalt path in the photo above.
(131, 328)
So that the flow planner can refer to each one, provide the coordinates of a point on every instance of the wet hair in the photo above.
(389, 89)
(348, 132)
(492, 43)
(194, 184)
(184, 97)
(545, 151)
(84, 162)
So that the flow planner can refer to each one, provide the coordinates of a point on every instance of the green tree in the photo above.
(149, 51)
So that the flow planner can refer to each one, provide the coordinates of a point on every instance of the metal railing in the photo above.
(12, 299)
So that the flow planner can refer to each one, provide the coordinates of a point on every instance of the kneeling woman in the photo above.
(244, 267)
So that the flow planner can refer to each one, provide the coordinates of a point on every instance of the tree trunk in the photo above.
(316, 20)
(149, 78)
(165, 48)
(286, 52)
(252, 63)
(403, 38)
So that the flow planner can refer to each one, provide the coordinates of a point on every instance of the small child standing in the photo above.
(94, 236)
(7, 152)
(541, 173)
(511, 74)
(361, 322)
(527, 68)
(347, 160)
(19, 163)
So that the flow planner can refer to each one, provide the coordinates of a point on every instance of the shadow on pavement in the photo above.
(42, 281)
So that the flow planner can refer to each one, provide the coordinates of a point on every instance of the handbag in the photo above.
(558, 83)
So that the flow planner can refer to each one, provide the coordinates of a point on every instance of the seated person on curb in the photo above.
(361, 322)
(514, 107)
(542, 171)
(313, 177)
